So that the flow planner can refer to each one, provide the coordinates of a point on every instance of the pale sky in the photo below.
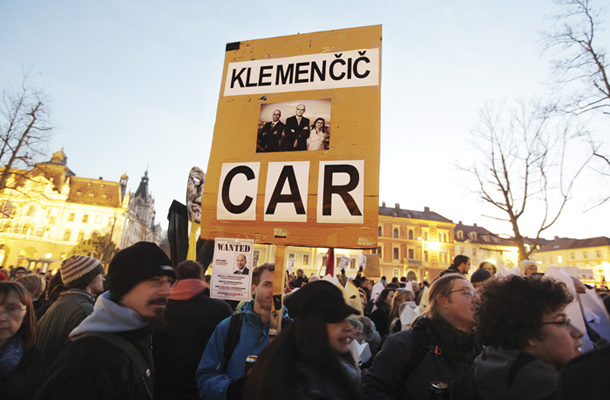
(135, 85)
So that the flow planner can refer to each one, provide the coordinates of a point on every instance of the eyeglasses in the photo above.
(13, 311)
(467, 292)
(565, 323)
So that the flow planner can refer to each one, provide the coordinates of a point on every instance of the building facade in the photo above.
(590, 257)
(481, 245)
(415, 244)
(46, 211)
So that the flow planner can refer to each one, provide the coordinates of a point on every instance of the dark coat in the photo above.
(451, 270)
(269, 138)
(381, 319)
(22, 383)
(245, 271)
(177, 349)
(65, 314)
(295, 134)
(586, 376)
(92, 368)
(411, 359)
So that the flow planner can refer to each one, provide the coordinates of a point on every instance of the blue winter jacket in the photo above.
(212, 381)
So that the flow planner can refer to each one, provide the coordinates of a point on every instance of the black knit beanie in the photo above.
(134, 264)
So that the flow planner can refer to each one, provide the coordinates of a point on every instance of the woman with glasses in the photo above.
(527, 336)
(21, 365)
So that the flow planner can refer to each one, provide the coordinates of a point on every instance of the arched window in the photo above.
(395, 233)
(460, 235)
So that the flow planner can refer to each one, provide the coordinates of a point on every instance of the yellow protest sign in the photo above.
(295, 153)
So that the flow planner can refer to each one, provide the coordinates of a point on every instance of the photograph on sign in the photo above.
(294, 126)
(231, 269)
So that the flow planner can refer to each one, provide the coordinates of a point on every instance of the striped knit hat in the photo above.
(77, 271)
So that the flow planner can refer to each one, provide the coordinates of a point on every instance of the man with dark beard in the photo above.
(110, 353)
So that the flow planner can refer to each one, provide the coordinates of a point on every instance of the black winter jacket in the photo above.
(410, 360)
(177, 349)
(93, 368)
(25, 379)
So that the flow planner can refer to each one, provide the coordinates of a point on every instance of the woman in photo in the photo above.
(317, 135)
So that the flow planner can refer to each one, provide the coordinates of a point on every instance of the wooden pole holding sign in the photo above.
(295, 153)
(279, 282)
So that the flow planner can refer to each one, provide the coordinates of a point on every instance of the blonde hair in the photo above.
(34, 284)
(402, 295)
(441, 287)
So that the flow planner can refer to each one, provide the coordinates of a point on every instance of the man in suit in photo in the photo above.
(296, 131)
(241, 265)
(271, 134)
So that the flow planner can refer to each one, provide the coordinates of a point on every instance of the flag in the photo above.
(330, 262)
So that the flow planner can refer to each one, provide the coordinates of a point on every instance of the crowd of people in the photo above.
(148, 330)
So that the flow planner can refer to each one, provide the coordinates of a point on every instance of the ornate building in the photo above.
(415, 244)
(46, 211)
(481, 245)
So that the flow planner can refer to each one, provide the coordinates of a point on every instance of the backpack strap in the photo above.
(131, 351)
(232, 337)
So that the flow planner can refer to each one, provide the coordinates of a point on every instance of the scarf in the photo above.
(11, 356)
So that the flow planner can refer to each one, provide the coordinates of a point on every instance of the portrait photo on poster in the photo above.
(299, 125)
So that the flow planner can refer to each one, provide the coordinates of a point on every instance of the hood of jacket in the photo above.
(109, 316)
(187, 289)
(513, 374)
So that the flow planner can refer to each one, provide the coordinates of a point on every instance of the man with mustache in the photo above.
(110, 353)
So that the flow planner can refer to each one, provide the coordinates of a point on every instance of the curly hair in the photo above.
(510, 309)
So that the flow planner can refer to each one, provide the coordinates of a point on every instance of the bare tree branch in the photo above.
(524, 170)
(24, 127)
